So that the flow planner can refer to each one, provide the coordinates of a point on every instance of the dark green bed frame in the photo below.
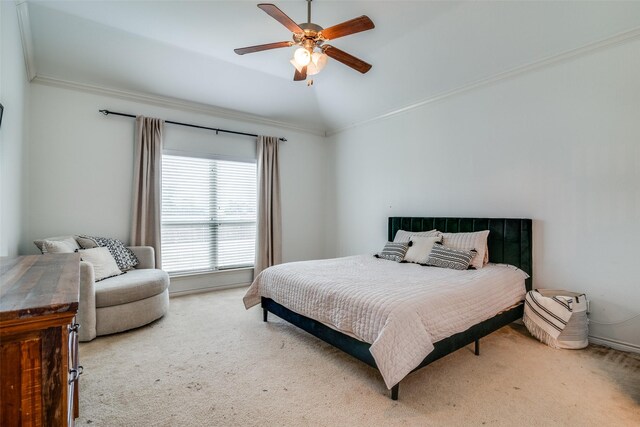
(509, 242)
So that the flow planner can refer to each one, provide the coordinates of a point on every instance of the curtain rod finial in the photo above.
(105, 112)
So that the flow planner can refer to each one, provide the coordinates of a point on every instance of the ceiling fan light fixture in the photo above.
(312, 53)
(319, 59)
(302, 56)
(318, 62)
(312, 69)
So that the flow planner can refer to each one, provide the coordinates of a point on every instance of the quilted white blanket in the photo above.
(400, 309)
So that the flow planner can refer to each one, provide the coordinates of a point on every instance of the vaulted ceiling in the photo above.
(419, 50)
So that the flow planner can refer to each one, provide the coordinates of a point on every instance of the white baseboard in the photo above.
(618, 345)
(207, 289)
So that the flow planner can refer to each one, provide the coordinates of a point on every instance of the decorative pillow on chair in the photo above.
(393, 251)
(442, 256)
(68, 241)
(104, 266)
(469, 241)
(405, 236)
(125, 259)
(87, 242)
(420, 248)
(57, 247)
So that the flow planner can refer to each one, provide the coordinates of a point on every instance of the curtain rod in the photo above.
(107, 112)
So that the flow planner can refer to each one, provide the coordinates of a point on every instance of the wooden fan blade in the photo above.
(260, 47)
(273, 11)
(346, 59)
(300, 75)
(362, 23)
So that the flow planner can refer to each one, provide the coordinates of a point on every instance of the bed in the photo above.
(396, 317)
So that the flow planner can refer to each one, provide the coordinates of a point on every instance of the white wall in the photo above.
(13, 92)
(80, 167)
(560, 145)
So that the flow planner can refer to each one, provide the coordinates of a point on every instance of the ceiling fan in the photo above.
(311, 57)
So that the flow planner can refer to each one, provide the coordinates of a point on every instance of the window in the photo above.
(208, 214)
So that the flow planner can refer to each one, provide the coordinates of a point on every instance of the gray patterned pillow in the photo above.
(125, 259)
(393, 251)
(443, 256)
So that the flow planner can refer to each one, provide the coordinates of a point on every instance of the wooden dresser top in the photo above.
(38, 285)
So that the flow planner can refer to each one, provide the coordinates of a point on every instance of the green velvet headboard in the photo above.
(510, 239)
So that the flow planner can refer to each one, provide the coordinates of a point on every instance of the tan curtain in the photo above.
(147, 173)
(269, 239)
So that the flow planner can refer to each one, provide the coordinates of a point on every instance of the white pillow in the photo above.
(56, 247)
(469, 241)
(404, 236)
(69, 240)
(420, 248)
(104, 265)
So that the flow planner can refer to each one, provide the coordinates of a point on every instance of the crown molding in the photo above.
(567, 55)
(26, 37)
(24, 24)
(28, 51)
(176, 103)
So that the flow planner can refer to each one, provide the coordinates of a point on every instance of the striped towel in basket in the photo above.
(547, 313)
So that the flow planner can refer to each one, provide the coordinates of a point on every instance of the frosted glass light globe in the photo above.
(312, 69)
(302, 56)
(320, 60)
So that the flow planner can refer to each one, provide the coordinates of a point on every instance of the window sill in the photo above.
(214, 272)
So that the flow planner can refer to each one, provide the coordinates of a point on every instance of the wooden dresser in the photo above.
(38, 340)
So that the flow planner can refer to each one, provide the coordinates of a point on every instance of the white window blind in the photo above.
(208, 214)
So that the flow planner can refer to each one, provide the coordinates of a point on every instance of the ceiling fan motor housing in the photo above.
(311, 36)
(310, 27)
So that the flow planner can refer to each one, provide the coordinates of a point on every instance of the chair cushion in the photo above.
(134, 285)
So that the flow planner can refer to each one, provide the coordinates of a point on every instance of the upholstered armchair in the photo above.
(123, 302)
(117, 303)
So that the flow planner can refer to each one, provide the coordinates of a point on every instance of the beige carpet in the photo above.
(209, 362)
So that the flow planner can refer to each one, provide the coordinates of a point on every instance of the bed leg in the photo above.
(264, 314)
(394, 392)
(478, 347)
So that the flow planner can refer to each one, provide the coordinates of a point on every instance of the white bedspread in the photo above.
(400, 309)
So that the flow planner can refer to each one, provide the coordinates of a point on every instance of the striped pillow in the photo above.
(393, 251)
(469, 241)
(442, 256)
(405, 236)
